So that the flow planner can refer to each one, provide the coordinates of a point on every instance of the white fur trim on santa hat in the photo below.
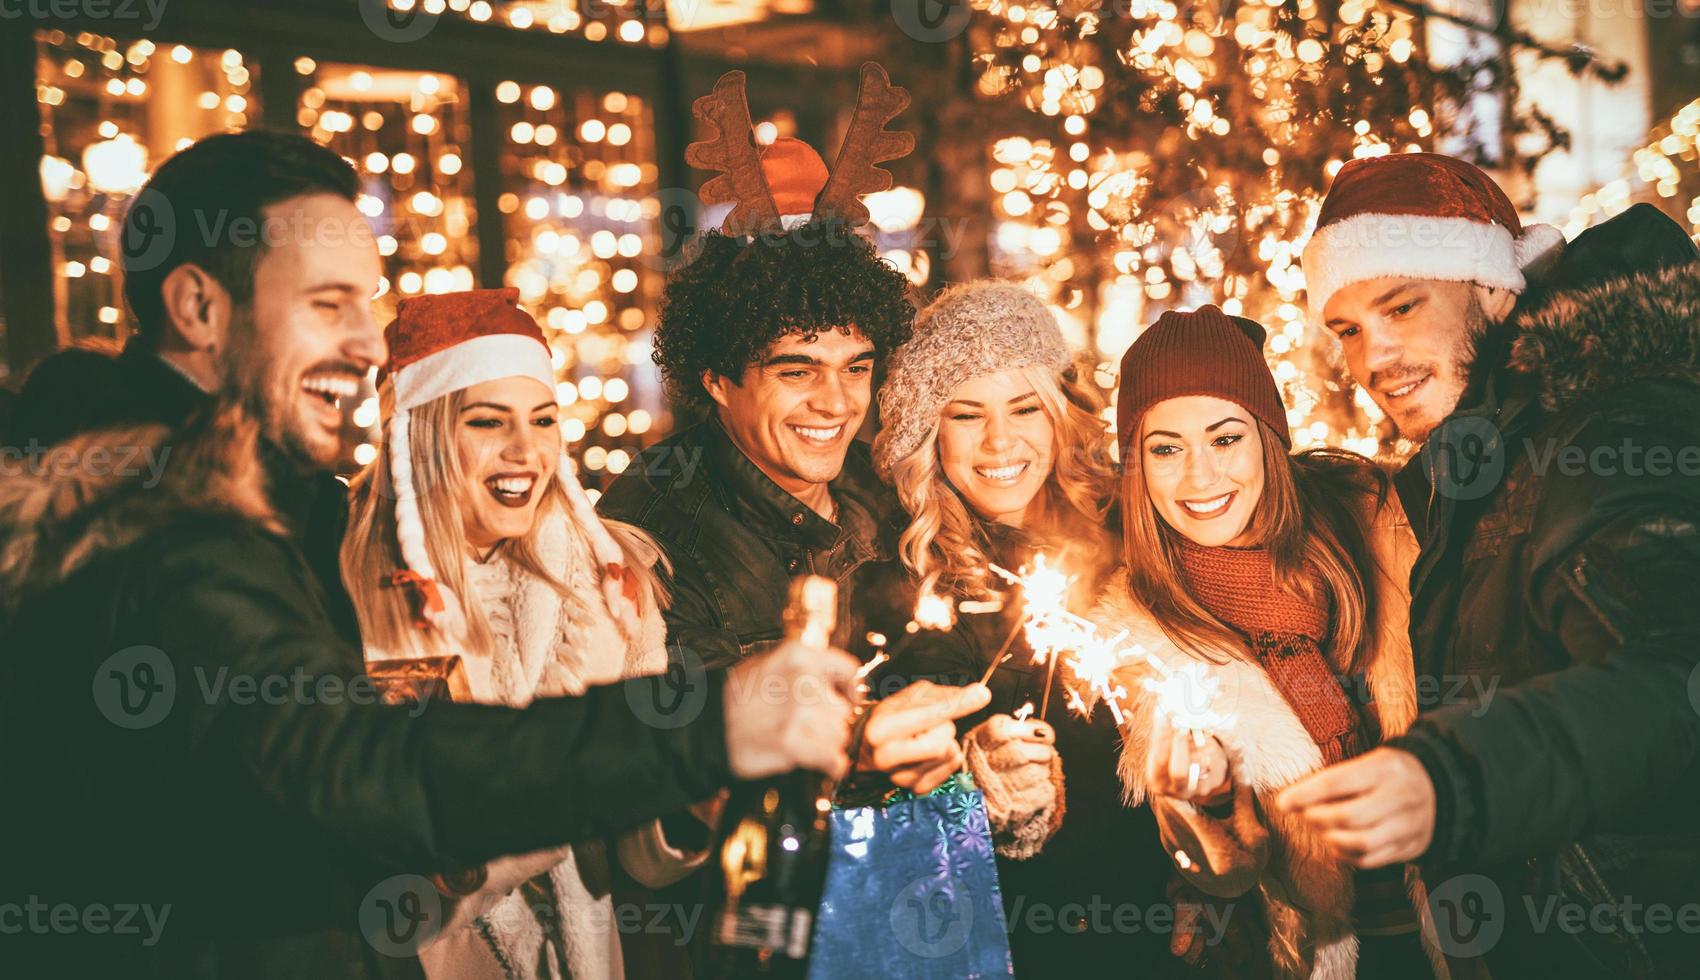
(610, 559)
(410, 530)
(1450, 249)
(487, 358)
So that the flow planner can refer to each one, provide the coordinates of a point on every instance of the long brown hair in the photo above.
(1308, 518)
(943, 544)
(371, 554)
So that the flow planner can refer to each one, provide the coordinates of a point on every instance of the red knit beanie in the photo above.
(1204, 352)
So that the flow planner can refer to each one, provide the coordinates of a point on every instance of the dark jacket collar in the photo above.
(161, 392)
(865, 505)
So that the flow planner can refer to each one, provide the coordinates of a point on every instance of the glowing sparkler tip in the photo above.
(934, 612)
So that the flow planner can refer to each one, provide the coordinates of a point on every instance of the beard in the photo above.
(1454, 377)
(265, 394)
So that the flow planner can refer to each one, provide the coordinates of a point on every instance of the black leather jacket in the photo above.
(1559, 516)
(736, 540)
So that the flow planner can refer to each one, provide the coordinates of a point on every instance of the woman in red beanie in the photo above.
(1285, 575)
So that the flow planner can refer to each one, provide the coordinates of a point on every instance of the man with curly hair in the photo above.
(775, 336)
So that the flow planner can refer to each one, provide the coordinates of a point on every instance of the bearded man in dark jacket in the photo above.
(1550, 787)
(199, 781)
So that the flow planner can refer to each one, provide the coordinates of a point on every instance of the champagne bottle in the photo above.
(769, 868)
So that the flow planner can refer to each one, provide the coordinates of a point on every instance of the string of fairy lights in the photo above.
(1671, 159)
(578, 202)
(1207, 197)
(1173, 158)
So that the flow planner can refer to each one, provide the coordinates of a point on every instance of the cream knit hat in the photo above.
(968, 330)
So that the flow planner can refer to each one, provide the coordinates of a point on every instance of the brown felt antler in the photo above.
(866, 144)
(732, 152)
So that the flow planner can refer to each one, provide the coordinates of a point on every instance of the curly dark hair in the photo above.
(737, 296)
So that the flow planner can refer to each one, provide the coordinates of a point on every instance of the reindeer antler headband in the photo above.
(742, 182)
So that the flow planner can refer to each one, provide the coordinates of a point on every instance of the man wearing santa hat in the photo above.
(1555, 389)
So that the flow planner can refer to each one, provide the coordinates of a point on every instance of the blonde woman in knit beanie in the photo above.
(470, 535)
(998, 452)
(1285, 573)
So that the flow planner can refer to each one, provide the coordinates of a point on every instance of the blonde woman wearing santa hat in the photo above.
(1284, 574)
(470, 535)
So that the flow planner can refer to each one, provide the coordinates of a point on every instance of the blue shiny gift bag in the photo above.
(912, 891)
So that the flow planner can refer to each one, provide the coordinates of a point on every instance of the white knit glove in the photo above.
(1016, 766)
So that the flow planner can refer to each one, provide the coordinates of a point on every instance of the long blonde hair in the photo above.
(1307, 518)
(942, 545)
(371, 554)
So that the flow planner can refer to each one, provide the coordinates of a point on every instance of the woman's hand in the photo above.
(1015, 764)
(1185, 766)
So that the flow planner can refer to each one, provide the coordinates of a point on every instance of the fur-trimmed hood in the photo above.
(63, 506)
(1638, 328)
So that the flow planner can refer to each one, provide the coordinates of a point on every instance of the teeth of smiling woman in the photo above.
(335, 386)
(1001, 472)
(1208, 507)
(819, 435)
(514, 485)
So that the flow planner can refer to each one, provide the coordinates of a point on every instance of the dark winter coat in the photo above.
(183, 729)
(736, 540)
(81, 389)
(1560, 571)
(1093, 901)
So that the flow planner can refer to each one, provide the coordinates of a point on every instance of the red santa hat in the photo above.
(1421, 216)
(441, 344)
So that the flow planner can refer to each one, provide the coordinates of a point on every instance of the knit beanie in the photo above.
(968, 330)
(443, 343)
(1419, 216)
(1204, 352)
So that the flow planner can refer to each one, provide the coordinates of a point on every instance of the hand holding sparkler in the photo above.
(1194, 769)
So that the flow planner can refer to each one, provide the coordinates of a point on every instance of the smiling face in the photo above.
(1410, 343)
(996, 444)
(1203, 464)
(795, 411)
(309, 337)
(508, 448)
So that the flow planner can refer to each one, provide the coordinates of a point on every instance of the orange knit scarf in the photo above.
(1286, 632)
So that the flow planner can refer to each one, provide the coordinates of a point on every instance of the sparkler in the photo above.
(1185, 694)
(932, 612)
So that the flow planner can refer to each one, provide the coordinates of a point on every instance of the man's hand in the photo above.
(911, 736)
(789, 709)
(1372, 811)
